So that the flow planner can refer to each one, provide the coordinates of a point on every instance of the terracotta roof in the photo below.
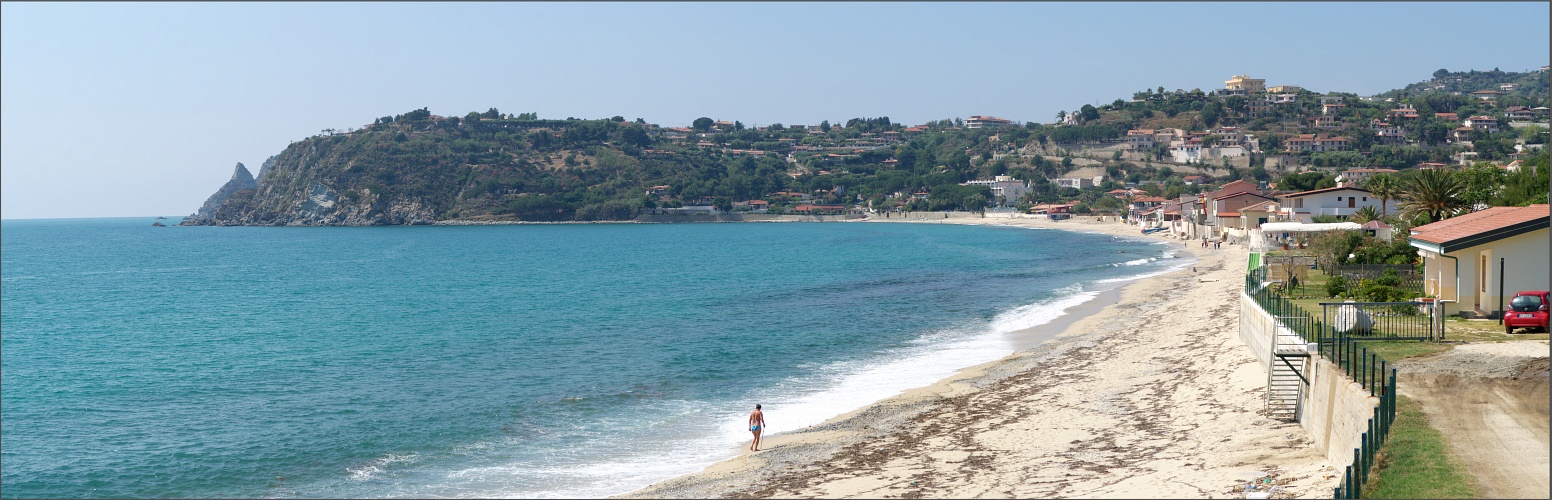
(1482, 227)
(1228, 214)
(1258, 206)
(1240, 193)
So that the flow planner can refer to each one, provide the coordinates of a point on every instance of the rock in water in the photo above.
(241, 180)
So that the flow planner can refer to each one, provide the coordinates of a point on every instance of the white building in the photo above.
(1005, 189)
(1080, 182)
(1339, 201)
(979, 121)
(1461, 256)
(1356, 176)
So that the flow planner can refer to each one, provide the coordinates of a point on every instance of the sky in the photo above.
(135, 109)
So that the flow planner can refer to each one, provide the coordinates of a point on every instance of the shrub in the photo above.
(1336, 286)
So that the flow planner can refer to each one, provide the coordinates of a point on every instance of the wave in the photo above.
(1172, 268)
(689, 436)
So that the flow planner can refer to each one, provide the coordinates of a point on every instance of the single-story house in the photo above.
(1464, 256)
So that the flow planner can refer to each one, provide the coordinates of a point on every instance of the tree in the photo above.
(1386, 187)
(635, 136)
(1365, 214)
(1479, 183)
(1211, 113)
(1432, 194)
(824, 126)
(1088, 112)
(702, 124)
(1441, 73)
(491, 114)
(1061, 116)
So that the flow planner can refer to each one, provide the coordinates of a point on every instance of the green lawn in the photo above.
(1416, 462)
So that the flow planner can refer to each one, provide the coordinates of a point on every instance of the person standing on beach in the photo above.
(756, 426)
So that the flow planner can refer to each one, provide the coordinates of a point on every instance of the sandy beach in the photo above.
(1145, 392)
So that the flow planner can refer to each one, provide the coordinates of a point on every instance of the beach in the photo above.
(1145, 391)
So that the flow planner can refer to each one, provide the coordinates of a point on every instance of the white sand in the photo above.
(1152, 396)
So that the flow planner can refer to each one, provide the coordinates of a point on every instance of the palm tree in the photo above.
(1386, 187)
(1434, 194)
(1365, 214)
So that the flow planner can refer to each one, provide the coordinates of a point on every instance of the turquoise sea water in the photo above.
(529, 361)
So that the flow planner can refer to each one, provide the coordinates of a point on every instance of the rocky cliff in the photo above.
(317, 182)
(240, 180)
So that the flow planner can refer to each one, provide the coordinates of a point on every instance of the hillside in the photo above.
(1528, 89)
(417, 168)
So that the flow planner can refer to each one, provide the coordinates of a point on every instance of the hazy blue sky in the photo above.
(143, 109)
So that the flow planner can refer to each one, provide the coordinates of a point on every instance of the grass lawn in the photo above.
(1416, 462)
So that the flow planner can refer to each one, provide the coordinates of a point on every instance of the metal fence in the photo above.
(1342, 348)
(1380, 320)
(1291, 315)
(1375, 375)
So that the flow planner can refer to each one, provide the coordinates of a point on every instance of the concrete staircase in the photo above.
(1286, 380)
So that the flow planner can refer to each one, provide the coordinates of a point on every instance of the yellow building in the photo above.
(1245, 83)
(1283, 89)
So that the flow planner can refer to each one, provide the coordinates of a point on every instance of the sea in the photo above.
(539, 361)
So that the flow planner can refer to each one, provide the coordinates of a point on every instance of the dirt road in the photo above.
(1491, 402)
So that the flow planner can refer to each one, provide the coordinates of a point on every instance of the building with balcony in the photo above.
(979, 121)
(1245, 84)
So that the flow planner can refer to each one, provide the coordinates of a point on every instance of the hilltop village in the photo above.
(1151, 158)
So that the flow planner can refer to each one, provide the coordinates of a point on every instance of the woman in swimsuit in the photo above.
(756, 425)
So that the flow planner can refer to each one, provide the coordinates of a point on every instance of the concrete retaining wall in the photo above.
(1256, 327)
(1335, 410)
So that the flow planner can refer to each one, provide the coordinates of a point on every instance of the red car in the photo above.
(1528, 309)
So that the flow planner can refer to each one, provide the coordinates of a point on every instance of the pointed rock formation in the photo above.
(241, 180)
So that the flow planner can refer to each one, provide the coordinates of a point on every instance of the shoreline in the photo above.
(1067, 414)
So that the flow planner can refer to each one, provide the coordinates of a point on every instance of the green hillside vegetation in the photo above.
(492, 165)
(495, 166)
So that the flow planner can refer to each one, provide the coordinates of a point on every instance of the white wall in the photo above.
(1526, 265)
(1328, 203)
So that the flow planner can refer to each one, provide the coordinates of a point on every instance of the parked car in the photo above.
(1528, 309)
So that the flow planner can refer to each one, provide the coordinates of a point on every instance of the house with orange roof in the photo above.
(1486, 124)
(1465, 256)
(1139, 138)
(1223, 210)
(1519, 114)
(1254, 215)
(1488, 95)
